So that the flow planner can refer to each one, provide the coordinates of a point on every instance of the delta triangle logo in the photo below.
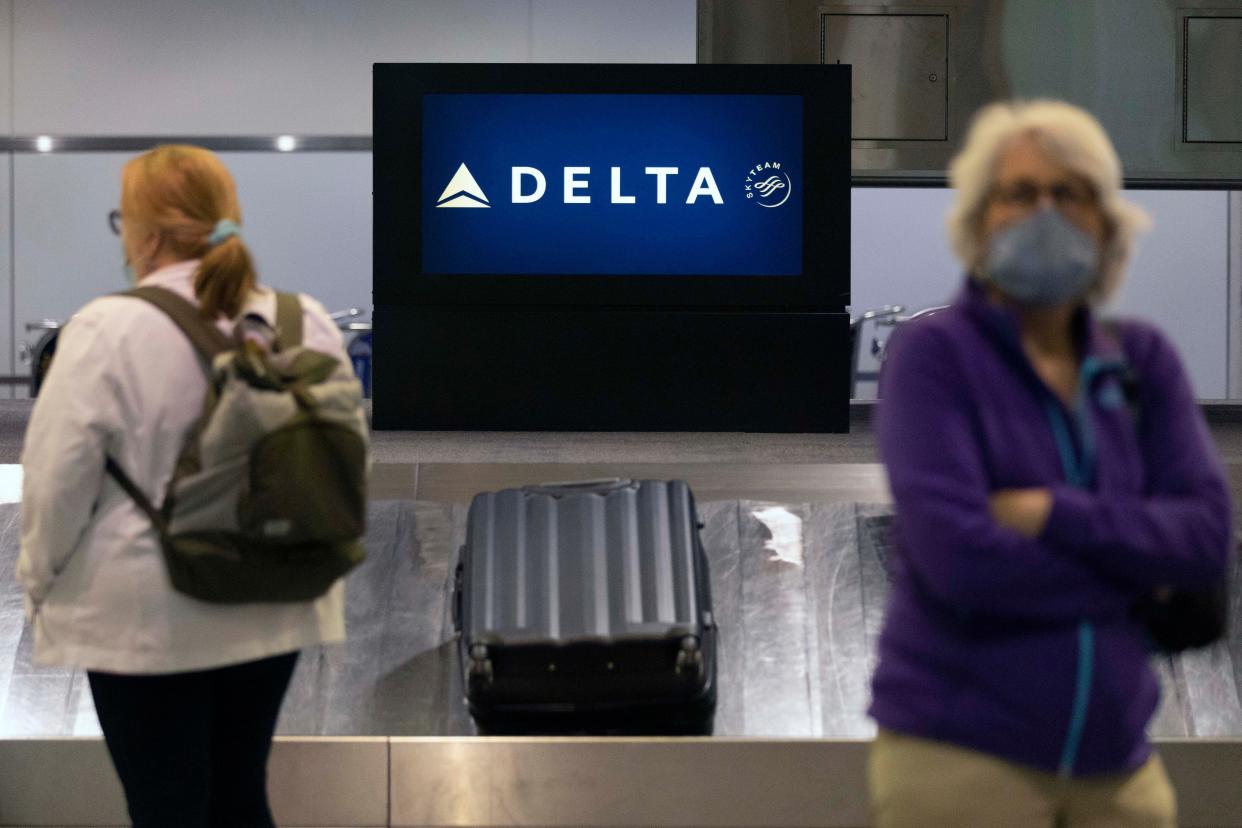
(463, 191)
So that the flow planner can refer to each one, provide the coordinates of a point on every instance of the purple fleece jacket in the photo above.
(1026, 648)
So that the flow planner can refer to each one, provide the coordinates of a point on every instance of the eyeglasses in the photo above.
(1026, 194)
(114, 221)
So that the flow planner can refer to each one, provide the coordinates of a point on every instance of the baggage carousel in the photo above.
(374, 732)
(799, 591)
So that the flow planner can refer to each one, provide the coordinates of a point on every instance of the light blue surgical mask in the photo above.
(1043, 260)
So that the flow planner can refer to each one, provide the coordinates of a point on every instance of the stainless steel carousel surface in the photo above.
(799, 591)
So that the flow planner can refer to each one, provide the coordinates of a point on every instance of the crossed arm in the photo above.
(1051, 552)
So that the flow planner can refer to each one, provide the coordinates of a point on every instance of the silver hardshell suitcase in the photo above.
(586, 607)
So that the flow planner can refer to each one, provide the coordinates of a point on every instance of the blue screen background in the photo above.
(728, 133)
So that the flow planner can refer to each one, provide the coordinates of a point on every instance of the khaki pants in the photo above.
(917, 782)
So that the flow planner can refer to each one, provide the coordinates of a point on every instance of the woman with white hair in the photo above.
(1048, 471)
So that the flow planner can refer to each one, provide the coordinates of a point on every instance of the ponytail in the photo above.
(225, 277)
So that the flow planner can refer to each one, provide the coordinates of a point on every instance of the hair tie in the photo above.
(224, 229)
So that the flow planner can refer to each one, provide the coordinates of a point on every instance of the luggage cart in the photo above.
(357, 344)
(883, 321)
(40, 352)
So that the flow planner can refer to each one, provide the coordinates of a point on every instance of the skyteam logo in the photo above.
(462, 191)
(768, 185)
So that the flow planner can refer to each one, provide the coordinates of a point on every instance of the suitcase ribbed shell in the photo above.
(560, 566)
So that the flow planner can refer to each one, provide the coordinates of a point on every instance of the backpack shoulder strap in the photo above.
(288, 320)
(208, 342)
(158, 519)
(206, 338)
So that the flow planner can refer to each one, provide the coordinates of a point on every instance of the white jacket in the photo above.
(125, 382)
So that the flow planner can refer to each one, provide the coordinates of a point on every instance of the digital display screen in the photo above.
(612, 184)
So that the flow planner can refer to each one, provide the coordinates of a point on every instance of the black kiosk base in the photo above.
(557, 369)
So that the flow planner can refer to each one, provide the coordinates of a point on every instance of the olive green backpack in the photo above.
(268, 498)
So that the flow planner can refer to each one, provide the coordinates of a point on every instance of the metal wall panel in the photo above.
(336, 781)
(1213, 82)
(433, 783)
(902, 63)
(37, 774)
(1121, 59)
(311, 782)
(628, 782)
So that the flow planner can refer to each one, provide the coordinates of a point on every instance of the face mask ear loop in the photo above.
(127, 269)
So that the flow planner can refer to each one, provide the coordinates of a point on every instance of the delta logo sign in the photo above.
(766, 184)
(613, 184)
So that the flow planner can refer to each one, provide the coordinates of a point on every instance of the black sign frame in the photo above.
(823, 284)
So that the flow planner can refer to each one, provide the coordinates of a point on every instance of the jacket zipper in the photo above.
(1078, 474)
(1079, 470)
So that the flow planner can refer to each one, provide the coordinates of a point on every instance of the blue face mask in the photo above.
(1043, 260)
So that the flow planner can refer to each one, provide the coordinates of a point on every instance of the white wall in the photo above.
(1178, 278)
(6, 66)
(8, 365)
(641, 31)
(236, 67)
(307, 219)
(239, 67)
(899, 250)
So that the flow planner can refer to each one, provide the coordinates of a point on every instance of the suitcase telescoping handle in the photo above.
(601, 485)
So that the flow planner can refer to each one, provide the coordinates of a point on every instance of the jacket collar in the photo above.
(1092, 339)
(178, 277)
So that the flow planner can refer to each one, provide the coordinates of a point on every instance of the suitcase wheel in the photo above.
(480, 669)
(690, 658)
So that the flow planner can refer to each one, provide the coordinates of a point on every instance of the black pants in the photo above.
(191, 748)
